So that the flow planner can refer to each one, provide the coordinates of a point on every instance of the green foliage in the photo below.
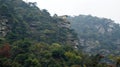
(99, 33)
(37, 40)
(26, 20)
(32, 62)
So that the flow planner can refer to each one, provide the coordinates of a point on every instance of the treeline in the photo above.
(25, 53)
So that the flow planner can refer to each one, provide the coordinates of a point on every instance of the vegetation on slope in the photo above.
(97, 35)
(30, 37)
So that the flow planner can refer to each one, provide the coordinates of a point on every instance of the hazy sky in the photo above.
(100, 8)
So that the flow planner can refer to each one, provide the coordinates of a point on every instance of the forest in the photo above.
(31, 37)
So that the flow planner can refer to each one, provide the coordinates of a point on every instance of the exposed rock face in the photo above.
(3, 26)
(66, 24)
(101, 30)
(97, 35)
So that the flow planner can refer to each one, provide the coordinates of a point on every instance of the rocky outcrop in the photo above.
(97, 35)
(3, 26)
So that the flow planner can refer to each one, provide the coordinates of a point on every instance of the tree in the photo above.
(4, 10)
(32, 62)
(5, 50)
(118, 62)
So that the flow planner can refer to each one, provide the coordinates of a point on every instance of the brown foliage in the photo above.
(5, 50)
(111, 65)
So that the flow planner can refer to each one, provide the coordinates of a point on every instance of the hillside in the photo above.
(97, 35)
(21, 20)
(31, 37)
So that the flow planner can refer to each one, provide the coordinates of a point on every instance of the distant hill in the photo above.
(97, 35)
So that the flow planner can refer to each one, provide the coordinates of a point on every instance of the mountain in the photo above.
(20, 20)
(31, 37)
(97, 35)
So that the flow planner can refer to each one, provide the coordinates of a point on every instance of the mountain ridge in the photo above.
(95, 32)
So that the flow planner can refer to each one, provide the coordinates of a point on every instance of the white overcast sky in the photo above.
(101, 8)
